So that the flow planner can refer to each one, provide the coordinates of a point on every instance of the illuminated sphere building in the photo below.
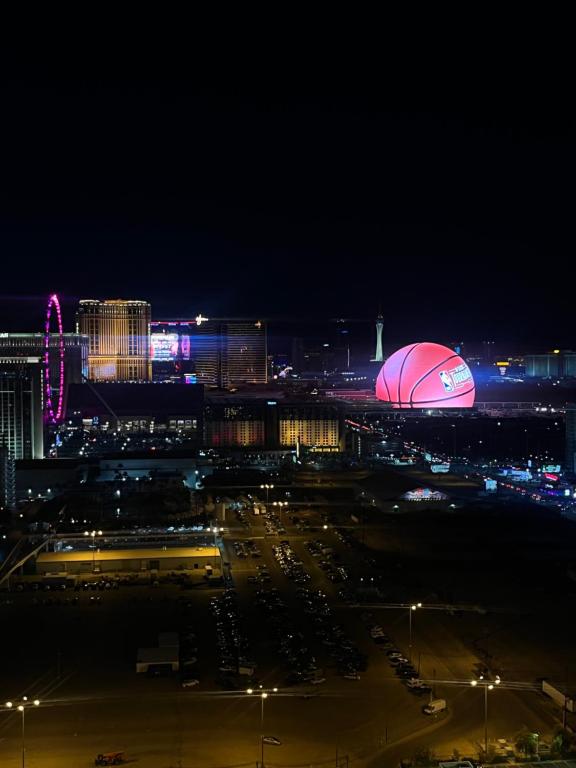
(426, 375)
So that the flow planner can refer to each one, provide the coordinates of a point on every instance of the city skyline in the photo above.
(287, 420)
(25, 314)
(397, 210)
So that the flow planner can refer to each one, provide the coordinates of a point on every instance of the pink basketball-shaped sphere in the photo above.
(426, 375)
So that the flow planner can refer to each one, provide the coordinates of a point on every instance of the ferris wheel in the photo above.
(53, 395)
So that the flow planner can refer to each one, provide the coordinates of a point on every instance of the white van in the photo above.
(434, 706)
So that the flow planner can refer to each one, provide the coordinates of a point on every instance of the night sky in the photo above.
(312, 205)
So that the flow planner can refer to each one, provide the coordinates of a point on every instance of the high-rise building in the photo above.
(21, 403)
(208, 353)
(119, 338)
(244, 353)
(223, 352)
(33, 345)
(570, 445)
(7, 480)
(229, 353)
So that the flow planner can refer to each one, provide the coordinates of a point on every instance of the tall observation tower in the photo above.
(379, 357)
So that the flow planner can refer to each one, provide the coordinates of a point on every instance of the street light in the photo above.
(280, 504)
(268, 488)
(413, 607)
(216, 531)
(488, 686)
(22, 707)
(93, 535)
(263, 696)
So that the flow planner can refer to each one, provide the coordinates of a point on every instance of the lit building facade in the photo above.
(273, 425)
(235, 425)
(221, 352)
(560, 364)
(21, 404)
(7, 480)
(311, 426)
(245, 359)
(33, 344)
(543, 366)
(229, 352)
(570, 446)
(119, 339)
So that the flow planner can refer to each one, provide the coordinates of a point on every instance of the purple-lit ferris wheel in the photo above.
(52, 414)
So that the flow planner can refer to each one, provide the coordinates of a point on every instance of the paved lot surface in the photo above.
(79, 658)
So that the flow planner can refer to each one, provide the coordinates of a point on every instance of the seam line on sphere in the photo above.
(386, 385)
(420, 403)
(402, 368)
(421, 379)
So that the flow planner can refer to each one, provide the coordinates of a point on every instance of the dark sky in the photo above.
(319, 203)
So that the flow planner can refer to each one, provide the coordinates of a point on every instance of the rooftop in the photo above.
(82, 555)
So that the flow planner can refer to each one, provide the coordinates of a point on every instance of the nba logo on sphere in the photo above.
(426, 375)
(447, 381)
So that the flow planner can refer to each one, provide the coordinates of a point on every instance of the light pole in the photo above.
(216, 531)
(263, 696)
(281, 505)
(24, 704)
(413, 607)
(93, 535)
(488, 686)
(268, 488)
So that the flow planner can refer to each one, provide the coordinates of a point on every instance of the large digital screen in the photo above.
(164, 346)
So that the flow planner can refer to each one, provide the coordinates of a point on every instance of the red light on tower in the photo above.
(426, 375)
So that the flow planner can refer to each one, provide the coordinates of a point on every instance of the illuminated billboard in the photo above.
(424, 494)
(440, 468)
(426, 375)
(163, 346)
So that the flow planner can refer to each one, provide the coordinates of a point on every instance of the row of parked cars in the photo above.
(242, 518)
(273, 525)
(246, 548)
(189, 657)
(63, 586)
(327, 561)
(62, 600)
(262, 575)
(231, 639)
(289, 641)
(397, 660)
(349, 660)
(290, 564)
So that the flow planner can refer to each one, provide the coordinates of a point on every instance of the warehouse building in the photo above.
(178, 560)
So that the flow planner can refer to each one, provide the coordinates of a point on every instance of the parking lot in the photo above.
(286, 621)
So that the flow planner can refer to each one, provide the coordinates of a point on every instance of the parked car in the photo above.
(109, 758)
